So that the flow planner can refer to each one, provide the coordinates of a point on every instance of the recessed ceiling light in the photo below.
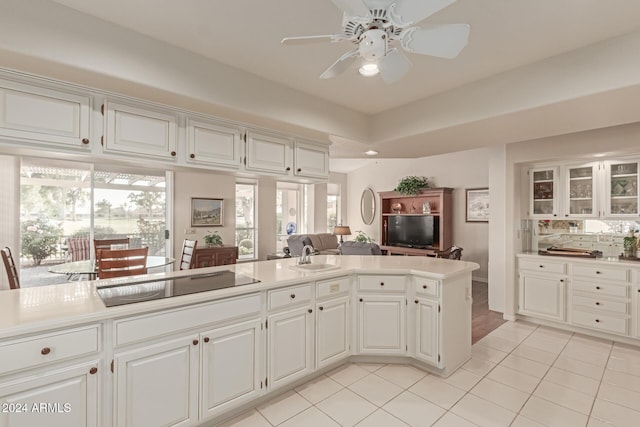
(369, 69)
(371, 152)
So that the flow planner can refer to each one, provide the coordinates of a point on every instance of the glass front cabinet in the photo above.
(621, 187)
(580, 191)
(543, 184)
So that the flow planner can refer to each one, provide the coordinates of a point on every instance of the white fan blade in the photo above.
(408, 12)
(443, 41)
(341, 65)
(394, 66)
(312, 39)
(353, 8)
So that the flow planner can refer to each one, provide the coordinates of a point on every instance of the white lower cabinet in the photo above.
(426, 330)
(157, 385)
(232, 367)
(61, 397)
(290, 354)
(332, 331)
(382, 324)
(542, 296)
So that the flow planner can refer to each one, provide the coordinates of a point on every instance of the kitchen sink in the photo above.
(314, 267)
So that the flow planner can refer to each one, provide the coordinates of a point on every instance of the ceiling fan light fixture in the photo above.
(369, 69)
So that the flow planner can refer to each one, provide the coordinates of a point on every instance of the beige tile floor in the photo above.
(520, 375)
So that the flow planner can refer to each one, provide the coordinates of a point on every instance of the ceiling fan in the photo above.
(383, 29)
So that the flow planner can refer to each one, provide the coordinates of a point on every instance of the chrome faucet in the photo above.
(306, 255)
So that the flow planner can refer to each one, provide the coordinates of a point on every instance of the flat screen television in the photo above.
(411, 231)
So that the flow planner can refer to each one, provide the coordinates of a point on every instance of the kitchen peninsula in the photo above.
(199, 358)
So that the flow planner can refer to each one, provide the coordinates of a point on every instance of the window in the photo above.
(246, 221)
(291, 211)
(64, 205)
(333, 206)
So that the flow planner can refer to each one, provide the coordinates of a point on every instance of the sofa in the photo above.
(323, 243)
(360, 248)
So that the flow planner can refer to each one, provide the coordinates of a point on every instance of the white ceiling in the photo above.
(246, 34)
(532, 68)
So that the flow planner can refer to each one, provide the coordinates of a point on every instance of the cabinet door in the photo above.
(205, 260)
(622, 189)
(426, 330)
(382, 324)
(226, 257)
(311, 160)
(133, 130)
(213, 143)
(268, 153)
(332, 331)
(59, 398)
(157, 385)
(543, 188)
(580, 191)
(231, 367)
(37, 114)
(542, 296)
(290, 346)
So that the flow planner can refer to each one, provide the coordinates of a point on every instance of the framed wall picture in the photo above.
(206, 212)
(477, 205)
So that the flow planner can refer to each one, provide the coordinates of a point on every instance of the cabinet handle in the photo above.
(321, 308)
(424, 286)
(566, 216)
(85, 141)
(192, 156)
(597, 303)
(299, 170)
(598, 287)
(293, 296)
(310, 311)
(288, 169)
(597, 320)
(541, 266)
(381, 283)
(206, 339)
(173, 153)
(598, 272)
(561, 280)
(45, 351)
(416, 301)
(555, 214)
(360, 299)
(195, 342)
(93, 370)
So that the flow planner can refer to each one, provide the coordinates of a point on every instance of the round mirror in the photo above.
(368, 206)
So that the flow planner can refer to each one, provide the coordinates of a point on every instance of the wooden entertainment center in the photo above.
(440, 202)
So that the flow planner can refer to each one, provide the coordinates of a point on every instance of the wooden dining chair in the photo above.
(188, 258)
(10, 266)
(79, 248)
(106, 243)
(121, 262)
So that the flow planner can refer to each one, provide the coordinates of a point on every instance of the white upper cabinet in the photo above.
(311, 160)
(213, 143)
(268, 153)
(34, 114)
(133, 130)
(543, 187)
(621, 187)
(580, 191)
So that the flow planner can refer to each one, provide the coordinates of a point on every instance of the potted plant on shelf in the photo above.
(362, 237)
(411, 185)
(213, 239)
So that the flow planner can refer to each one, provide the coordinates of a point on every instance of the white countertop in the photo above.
(602, 260)
(34, 309)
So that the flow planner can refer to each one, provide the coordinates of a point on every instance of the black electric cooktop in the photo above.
(146, 291)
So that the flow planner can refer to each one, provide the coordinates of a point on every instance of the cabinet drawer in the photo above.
(544, 266)
(428, 287)
(576, 238)
(601, 304)
(602, 322)
(167, 322)
(602, 288)
(289, 296)
(381, 283)
(581, 245)
(601, 272)
(339, 285)
(47, 348)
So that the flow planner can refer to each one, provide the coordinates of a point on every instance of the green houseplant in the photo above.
(411, 185)
(362, 237)
(213, 239)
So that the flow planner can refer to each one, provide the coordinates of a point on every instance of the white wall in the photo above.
(467, 169)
